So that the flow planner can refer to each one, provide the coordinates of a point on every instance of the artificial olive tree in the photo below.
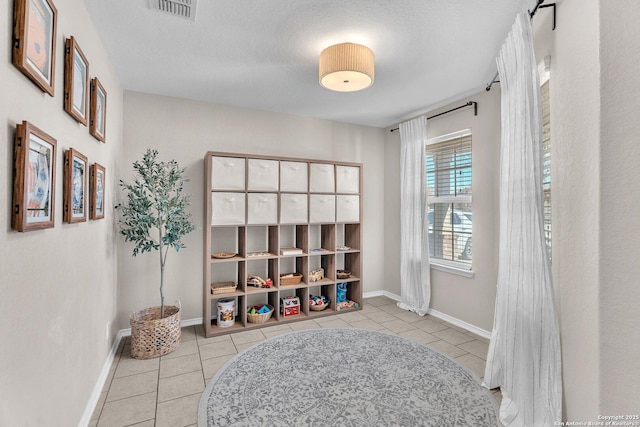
(154, 216)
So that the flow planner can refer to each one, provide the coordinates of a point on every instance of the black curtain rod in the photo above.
(535, 9)
(468, 104)
(532, 13)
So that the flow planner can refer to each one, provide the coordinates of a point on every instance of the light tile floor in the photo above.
(166, 391)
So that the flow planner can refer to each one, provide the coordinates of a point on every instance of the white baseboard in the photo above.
(460, 323)
(381, 294)
(435, 313)
(104, 373)
(97, 389)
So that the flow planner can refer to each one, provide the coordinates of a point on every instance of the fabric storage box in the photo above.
(347, 208)
(289, 306)
(347, 179)
(263, 175)
(227, 173)
(262, 208)
(227, 208)
(322, 178)
(322, 208)
(293, 209)
(293, 177)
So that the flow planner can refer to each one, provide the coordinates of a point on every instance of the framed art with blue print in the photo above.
(97, 184)
(75, 186)
(34, 179)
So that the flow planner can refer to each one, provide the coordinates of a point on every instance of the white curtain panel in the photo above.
(524, 353)
(414, 228)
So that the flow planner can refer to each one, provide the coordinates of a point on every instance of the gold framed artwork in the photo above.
(76, 81)
(97, 183)
(34, 179)
(98, 115)
(74, 187)
(34, 41)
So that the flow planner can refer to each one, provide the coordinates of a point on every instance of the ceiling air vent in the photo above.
(182, 8)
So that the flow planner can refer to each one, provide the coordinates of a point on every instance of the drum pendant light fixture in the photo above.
(347, 67)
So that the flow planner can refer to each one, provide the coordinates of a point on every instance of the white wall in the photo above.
(575, 127)
(57, 285)
(594, 92)
(619, 294)
(469, 299)
(185, 130)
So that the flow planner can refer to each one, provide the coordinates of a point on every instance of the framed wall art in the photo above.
(76, 178)
(34, 179)
(98, 115)
(76, 81)
(97, 183)
(34, 41)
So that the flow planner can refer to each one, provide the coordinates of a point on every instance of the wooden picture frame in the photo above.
(76, 81)
(34, 41)
(75, 186)
(97, 185)
(98, 115)
(34, 179)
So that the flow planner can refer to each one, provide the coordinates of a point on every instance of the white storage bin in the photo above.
(347, 208)
(227, 208)
(227, 173)
(347, 179)
(263, 175)
(262, 208)
(293, 176)
(322, 208)
(322, 178)
(293, 208)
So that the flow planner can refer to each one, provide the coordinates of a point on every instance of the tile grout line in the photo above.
(180, 397)
(155, 413)
(139, 422)
(137, 373)
(129, 397)
(201, 369)
(201, 365)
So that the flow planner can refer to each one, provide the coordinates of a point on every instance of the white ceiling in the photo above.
(263, 54)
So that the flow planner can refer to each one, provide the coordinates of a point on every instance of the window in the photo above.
(449, 198)
(546, 166)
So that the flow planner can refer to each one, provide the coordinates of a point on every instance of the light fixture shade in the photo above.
(347, 67)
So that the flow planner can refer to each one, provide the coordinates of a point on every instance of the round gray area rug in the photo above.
(344, 377)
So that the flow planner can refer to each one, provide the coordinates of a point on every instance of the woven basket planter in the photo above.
(152, 336)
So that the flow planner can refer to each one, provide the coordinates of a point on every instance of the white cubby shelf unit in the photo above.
(256, 206)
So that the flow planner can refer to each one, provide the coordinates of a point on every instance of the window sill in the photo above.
(451, 269)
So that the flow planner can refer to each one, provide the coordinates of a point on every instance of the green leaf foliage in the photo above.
(154, 215)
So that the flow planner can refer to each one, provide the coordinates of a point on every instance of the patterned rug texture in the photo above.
(344, 377)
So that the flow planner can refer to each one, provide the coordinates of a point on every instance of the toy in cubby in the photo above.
(260, 313)
(257, 309)
(316, 275)
(341, 298)
(318, 303)
(289, 306)
(259, 282)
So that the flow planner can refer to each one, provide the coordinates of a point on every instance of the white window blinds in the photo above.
(449, 185)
